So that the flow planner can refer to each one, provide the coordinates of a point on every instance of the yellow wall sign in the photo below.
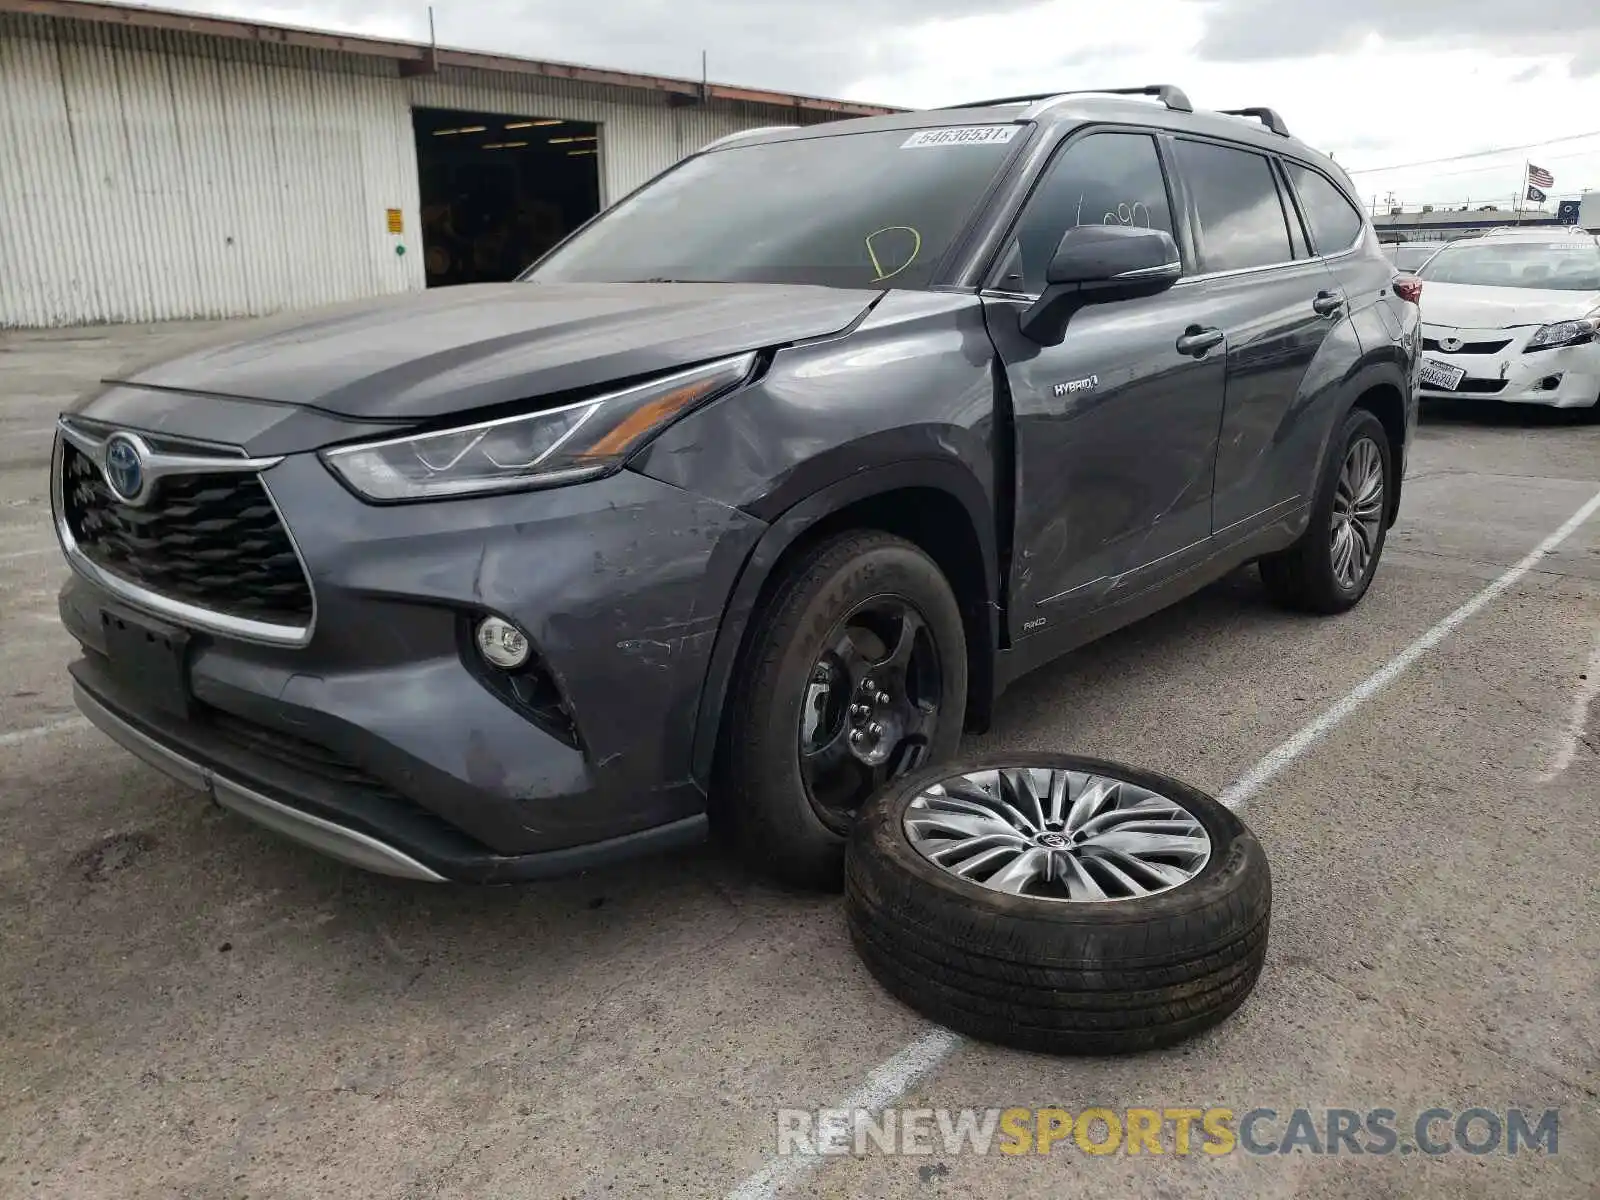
(393, 215)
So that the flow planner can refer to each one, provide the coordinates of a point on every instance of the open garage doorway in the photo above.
(498, 191)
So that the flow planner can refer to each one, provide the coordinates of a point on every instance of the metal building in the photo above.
(158, 165)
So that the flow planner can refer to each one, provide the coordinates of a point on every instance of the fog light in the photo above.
(1550, 382)
(502, 644)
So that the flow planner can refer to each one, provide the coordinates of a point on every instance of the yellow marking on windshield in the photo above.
(879, 274)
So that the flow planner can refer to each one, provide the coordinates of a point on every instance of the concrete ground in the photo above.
(192, 1007)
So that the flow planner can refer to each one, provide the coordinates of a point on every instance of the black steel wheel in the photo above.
(871, 707)
(854, 674)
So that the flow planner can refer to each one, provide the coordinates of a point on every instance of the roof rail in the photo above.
(1266, 116)
(744, 133)
(1171, 96)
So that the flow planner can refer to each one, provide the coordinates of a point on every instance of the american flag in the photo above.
(1539, 177)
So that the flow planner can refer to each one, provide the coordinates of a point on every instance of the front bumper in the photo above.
(384, 741)
(1568, 377)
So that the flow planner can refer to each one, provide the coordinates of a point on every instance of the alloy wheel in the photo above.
(1357, 512)
(1057, 834)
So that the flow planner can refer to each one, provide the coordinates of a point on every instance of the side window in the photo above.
(1242, 222)
(1101, 179)
(1335, 223)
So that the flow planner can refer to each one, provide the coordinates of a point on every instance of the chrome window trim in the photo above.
(1184, 282)
(1159, 271)
(191, 616)
(1002, 294)
(1233, 271)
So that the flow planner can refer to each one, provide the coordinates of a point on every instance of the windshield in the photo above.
(1559, 266)
(852, 210)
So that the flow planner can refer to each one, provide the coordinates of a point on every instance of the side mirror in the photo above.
(1095, 264)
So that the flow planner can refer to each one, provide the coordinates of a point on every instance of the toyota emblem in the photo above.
(125, 467)
(1450, 344)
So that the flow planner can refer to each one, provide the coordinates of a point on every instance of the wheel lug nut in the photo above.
(875, 730)
(860, 712)
(868, 686)
(857, 737)
(883, 697)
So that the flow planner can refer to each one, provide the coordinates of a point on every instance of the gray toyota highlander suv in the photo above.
(750, 495)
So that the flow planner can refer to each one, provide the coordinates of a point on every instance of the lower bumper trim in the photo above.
(358, 847)
(347, 845)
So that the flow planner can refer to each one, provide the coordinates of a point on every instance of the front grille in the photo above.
(212, 540)
(1480, 387)
(1467, 347)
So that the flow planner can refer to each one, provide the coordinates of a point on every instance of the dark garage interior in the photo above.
(500, 190)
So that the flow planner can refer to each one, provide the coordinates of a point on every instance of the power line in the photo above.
(1428, 162)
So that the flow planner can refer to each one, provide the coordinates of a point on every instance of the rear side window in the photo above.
(1242, 223)
(1101, 179)
(1335, 223)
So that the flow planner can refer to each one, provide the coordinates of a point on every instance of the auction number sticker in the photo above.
(961, 135)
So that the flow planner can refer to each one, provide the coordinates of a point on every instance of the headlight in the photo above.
(558, 445)
(1564, 333)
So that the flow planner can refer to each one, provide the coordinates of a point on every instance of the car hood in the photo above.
(463, 348)
(1471, 306)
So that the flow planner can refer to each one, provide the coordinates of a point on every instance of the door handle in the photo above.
(1327, 303)
(1196, 340)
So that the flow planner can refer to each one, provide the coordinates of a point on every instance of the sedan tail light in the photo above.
(1408, 287)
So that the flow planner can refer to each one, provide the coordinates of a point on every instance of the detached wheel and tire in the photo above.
(1060, 904)
(1329, 569)
(856, 673)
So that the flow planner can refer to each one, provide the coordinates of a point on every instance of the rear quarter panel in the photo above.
(1389, 330)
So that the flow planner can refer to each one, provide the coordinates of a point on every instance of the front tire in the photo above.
(855, 673)
(1330, 567)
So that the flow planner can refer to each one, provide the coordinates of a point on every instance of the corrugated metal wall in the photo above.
(639, 134)
(150, 176)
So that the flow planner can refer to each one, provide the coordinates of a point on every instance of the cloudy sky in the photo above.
(1379, 84)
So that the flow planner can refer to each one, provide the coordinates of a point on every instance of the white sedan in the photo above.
(1513, 317)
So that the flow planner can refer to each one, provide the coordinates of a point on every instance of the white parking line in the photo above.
(886, 1082)
(39, 731)
(1309, 735)
(1588, 689)
(893, 1078)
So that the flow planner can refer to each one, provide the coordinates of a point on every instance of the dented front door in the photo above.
(1116, 432)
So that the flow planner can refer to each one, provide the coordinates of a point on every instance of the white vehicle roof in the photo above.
(1536, 233)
